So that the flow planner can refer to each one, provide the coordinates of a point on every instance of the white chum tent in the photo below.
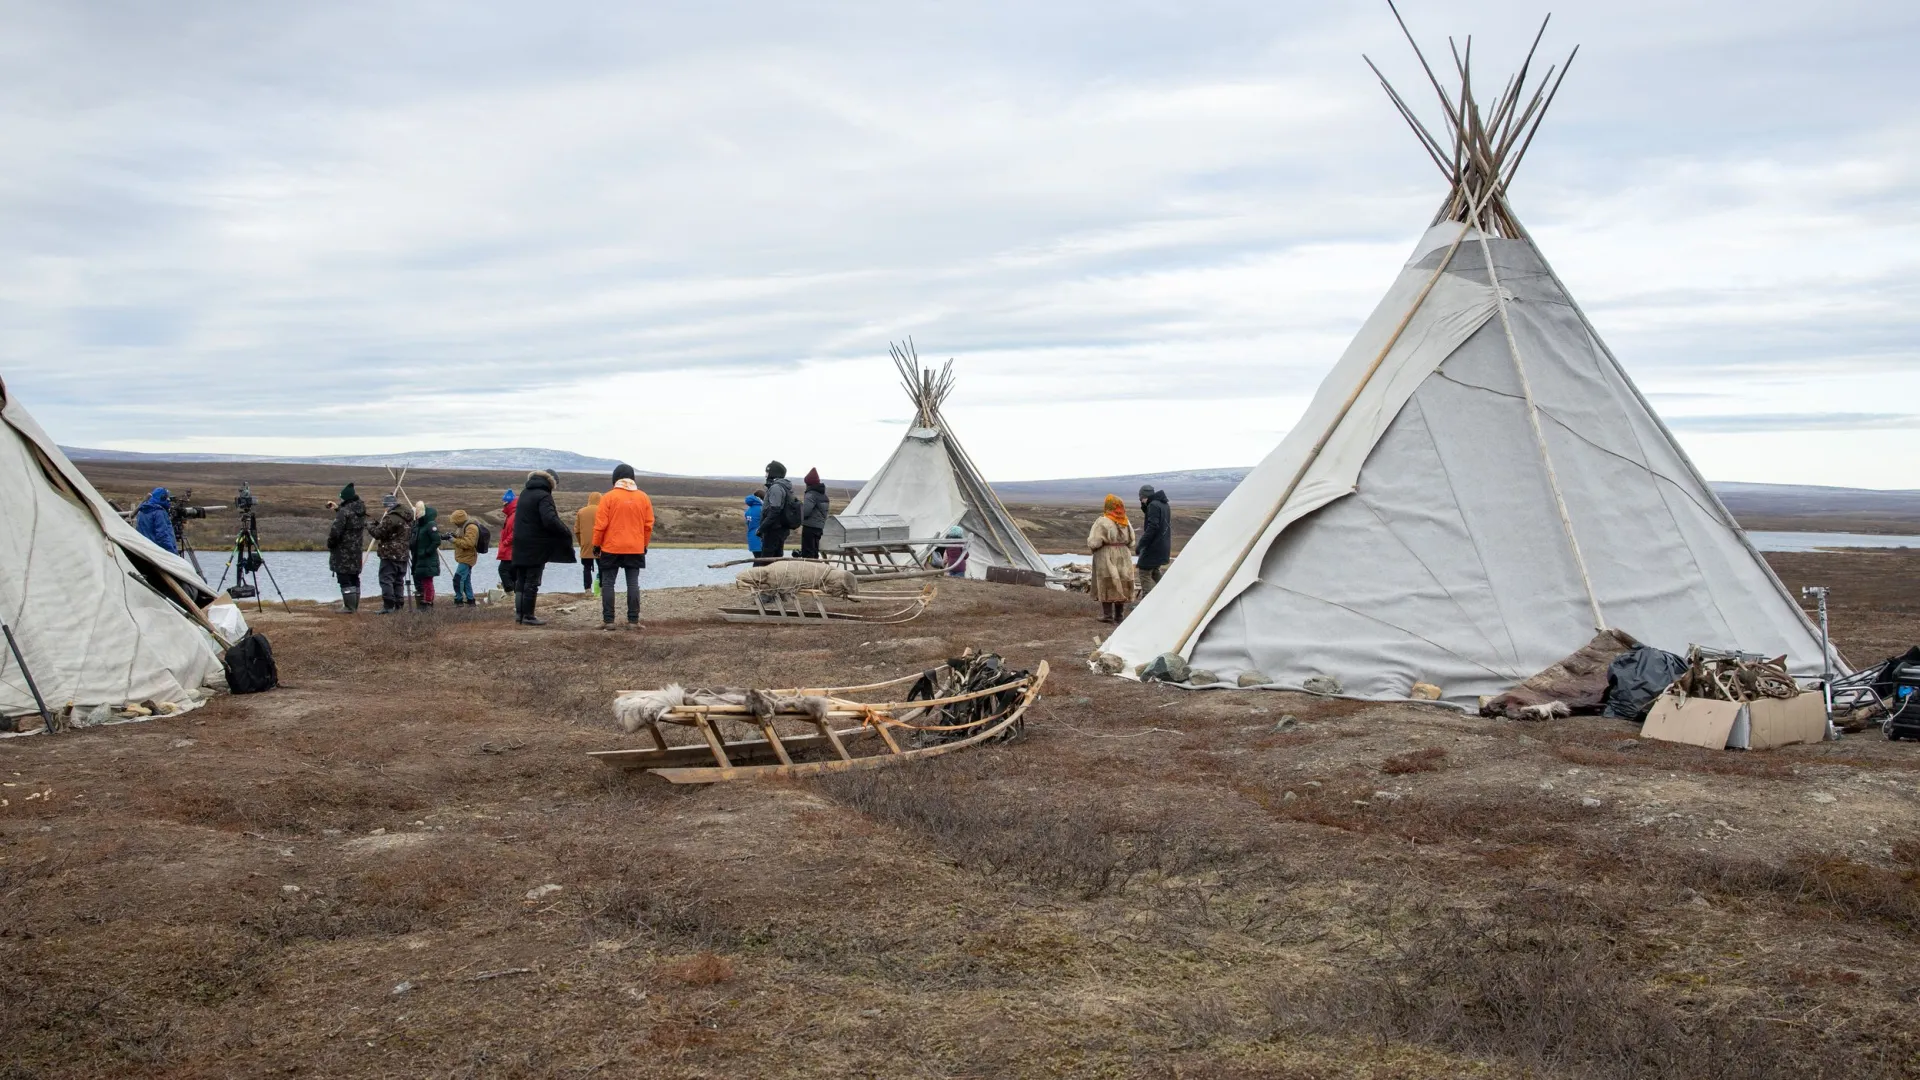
(97, 610)
(1476, 487)
(932, 483)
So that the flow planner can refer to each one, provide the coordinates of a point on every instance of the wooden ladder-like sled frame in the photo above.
(680, 764)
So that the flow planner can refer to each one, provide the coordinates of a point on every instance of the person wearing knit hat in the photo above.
(779, 516)
(503, 549)
(347, 547)
(814, 510)
(622, 531)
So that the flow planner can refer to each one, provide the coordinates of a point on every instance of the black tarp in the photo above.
(1636, 677)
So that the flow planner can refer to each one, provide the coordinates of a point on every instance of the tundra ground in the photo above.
(350, 876)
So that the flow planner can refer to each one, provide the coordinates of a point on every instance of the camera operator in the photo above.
(154, 519)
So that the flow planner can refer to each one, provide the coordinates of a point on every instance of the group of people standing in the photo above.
(406, 537)
(1112, 539)
(775, 512)
(613, 532)
(614, 529)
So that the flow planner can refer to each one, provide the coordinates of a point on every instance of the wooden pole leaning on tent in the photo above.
(46, 717)
(1478, 175)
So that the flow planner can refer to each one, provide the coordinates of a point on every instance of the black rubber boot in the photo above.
(349, 600)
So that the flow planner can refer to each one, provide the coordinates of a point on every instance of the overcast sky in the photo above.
(682, 234)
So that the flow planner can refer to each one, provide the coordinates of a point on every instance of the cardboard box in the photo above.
(1770, 722)
(1732, 725)
(1698, 721)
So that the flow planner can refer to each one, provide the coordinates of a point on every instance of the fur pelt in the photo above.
(789, 575)
(635, 711)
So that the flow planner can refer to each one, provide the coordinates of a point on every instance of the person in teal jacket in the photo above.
(426, 555)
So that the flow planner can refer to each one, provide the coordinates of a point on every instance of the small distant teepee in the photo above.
(1476, 488)
(931, 482)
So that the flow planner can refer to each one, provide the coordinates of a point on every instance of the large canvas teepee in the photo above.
(96, 608)
(932, 482)
(1476, 487)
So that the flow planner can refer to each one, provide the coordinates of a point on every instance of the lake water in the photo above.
(303, 575)
(1814, 541)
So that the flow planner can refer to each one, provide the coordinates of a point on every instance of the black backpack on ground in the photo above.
(250, 667)
(486, 538)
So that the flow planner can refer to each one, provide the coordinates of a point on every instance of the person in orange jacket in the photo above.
(583, 538)
(622, 529)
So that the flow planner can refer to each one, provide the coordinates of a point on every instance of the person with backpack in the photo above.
(814, 508)
(1156, 538)
(779, 517)
(583, 536)
(504, 553)
(393, 534)
(754, 504)
(426, 554)
(539, 537)
(466, 554)
(347, 547)
(622, 530)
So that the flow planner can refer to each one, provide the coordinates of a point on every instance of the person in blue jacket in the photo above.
(754, 503)
(154, 519)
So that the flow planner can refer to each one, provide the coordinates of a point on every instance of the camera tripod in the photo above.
(246, 560)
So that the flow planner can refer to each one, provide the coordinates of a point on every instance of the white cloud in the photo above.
(645, 232)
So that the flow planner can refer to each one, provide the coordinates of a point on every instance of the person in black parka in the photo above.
(779, 516)
(539, 537)
(815, 508)
(1156, 537)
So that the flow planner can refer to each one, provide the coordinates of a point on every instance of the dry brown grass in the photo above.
(1426, 759)
(1089, 902)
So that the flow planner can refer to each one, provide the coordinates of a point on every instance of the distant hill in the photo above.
(1762, 506)
(1194, 487)
(511, 458)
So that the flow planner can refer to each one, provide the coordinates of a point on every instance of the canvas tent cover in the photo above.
(1425, 541)
(86, 595)
(933, 485)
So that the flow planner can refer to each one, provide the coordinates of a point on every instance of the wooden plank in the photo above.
(659, 740)
(713, 741)
(737, 751)
(773, 740)
(833, 737)
(886, 737)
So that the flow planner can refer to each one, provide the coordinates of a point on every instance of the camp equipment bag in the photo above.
(250, 667)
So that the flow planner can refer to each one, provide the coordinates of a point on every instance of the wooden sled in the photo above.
(854, 735)
(810, 606)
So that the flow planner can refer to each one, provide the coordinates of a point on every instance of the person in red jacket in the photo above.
(503, 551)
(622, 529)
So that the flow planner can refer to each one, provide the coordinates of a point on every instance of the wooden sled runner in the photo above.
(810, 606)
(851, 735)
